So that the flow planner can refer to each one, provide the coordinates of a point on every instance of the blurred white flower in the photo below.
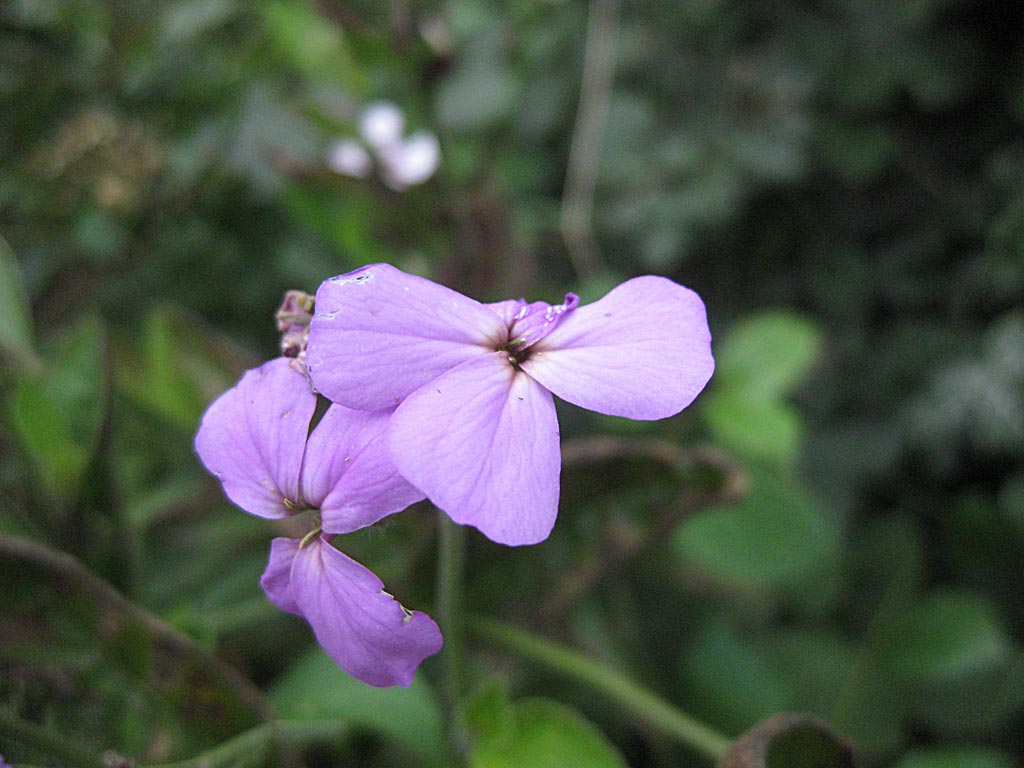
(412, 161)
(381, 124)
(349, 158)
(401, 162)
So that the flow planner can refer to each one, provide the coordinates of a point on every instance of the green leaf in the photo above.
(317, 688)
(767, 355)
(757, 364)
(15, 317)
(57, 413)
(179, 369)
(956, 757)
(729, 672)
(776, 537)
(765, 429)
(311, 43)
(545, 734)
(951, 634)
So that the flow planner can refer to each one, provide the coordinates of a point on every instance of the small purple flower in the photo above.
(254, 439)
(475, 426)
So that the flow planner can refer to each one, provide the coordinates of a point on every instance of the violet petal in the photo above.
(277, 578)
(482, 442)
(361, 626)
(348, 472)
(643, 351)
(378, 334)
(253, 437)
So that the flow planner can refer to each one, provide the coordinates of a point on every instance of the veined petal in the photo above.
(277, 578)
(643, 351)
(361, 626)
(348, 472)
(482, 442)
(379, 334)
(253, 436)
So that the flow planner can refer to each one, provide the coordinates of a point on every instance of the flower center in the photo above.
(532, 322)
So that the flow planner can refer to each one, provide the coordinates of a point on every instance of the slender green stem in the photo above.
(646, 705)
(450, 567)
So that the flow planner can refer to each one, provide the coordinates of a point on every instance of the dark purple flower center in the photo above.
(532, 322)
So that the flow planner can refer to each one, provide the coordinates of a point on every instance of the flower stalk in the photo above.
(647, 706)
(450, 572)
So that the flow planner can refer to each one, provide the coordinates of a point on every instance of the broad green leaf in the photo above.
(950, 634)
(767, 355)
(311, 43)
(766, 429)
(956, 757)
(774, 538)
(57, 413)
(545, 734)
(730, 674)
(15, 317)
(757, 363)
(317, 688)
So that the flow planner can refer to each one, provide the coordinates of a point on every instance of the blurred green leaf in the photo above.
(57, 413)
(766, 429)
(315, 687)
(311, 43)
(728, 671)
(544, 734)
(777, 537)
(768, 354)
(15, 316)
(956, 757)
(950, 634)
(182, 367)
(757, 363)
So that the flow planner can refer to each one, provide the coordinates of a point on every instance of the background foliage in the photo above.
(837, 526)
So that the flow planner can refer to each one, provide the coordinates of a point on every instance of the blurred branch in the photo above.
(585, 151)
(646, 705)
(171, 647)
(620, 546)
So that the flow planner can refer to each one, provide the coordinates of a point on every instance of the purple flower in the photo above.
(475, 426)
(254, 439)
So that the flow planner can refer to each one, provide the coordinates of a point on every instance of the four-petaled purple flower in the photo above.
(475, 426)
(254, 439)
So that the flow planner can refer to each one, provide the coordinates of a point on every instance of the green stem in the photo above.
(450, 568)
(646, 705)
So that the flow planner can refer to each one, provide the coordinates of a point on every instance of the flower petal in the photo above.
(277, 578)
(482, 442)
(643, 351)
(378, 334)
(253, 437)
(348, 472)
(361, 626)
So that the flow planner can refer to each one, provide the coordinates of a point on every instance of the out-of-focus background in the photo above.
(836, 526)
